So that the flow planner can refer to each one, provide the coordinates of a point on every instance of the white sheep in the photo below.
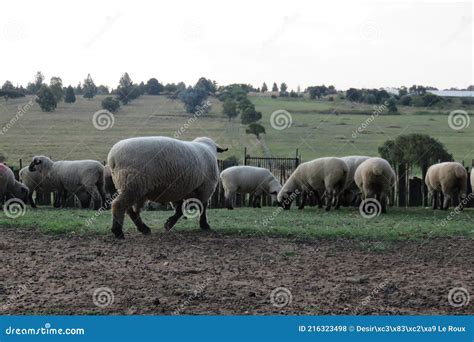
(162, 169)
(324, 176)
(351, 190)
(9, 186)
(447, 178)
(375, 179)
(74, 176)
(35, 182)
(249, 180)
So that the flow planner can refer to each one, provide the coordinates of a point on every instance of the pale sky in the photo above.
(344, 43)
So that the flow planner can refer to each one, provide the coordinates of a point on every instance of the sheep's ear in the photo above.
(220, 149)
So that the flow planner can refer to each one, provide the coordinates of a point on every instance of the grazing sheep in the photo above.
(9, 186)
(74, 176)
(448, 178)
(326, 176)
(375, 178)
(162, 169)
(250, 180)
(351, 190)
(35, 182)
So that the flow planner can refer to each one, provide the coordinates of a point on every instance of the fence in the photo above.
(409, 192)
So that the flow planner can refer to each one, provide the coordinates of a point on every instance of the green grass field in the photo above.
(398, 224)
(68, 132)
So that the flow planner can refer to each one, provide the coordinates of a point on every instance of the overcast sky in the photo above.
(347, 44)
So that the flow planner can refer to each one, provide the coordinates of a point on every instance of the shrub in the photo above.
(110, 104)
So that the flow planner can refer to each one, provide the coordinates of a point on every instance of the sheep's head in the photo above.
(40, 164)
(209, 142)
(274, 189)
(21, 191)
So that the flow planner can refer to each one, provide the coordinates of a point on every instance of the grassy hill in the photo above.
(319, 128)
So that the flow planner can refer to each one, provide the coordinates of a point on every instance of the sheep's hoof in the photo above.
(145, 230)
(230, 208)
(169, 225)
(328, 208)
(205, 226)
(119, 234)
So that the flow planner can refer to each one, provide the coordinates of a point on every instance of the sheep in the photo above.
(351, 190)
(109, 185)
(448, 178)
(74, 176)
(9, 186)
(322, 176)
(162, 169)
(250, 180)
(35, 182)
(375, 178)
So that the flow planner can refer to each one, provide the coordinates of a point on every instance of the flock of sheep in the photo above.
(163, 170)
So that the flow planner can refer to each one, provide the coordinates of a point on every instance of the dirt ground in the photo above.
(206, 273)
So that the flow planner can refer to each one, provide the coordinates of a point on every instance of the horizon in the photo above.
(368, 45)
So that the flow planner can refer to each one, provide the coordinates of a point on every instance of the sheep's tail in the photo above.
(378, 169)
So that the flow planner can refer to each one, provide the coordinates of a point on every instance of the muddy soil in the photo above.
(206, 273)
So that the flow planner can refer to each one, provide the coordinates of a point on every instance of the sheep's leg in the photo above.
(137, 220)
(119, 206)
(329, 195)
(203, 218)
(337, 198)
(103, 198)
(319, 201)
(30, 199)
(383, 203)
(447, 201)
(304, 195)
(229, 196)
(434, 198)
(171, 221)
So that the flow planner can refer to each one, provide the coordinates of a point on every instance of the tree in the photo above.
(89, 88)
(413, 150)
(103, 90)
(274, 87)
(264, 88)
(153, 87)
(255, 129)
(405, 100)
(8, 86)
(56, 86)
(125, 89)
(192, 98)
(249, 115)
(78, 90)
(70, 97)
(110, 104)
(391, 105)
(206, 84)
(402, 91)
(283, 87)
(46, 99)
(34, 87)
(230, 108)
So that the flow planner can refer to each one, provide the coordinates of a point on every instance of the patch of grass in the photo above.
(311, 223)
